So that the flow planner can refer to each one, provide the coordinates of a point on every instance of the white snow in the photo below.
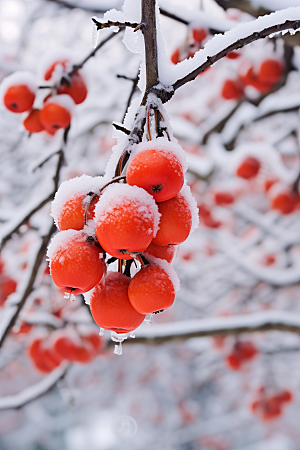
(129, 196)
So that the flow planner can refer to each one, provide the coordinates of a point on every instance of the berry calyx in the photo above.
(110, 305)
(151, 289)
(157, 171)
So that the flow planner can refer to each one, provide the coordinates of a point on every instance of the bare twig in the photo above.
(133, 89)
(110, 23)
(150, 39)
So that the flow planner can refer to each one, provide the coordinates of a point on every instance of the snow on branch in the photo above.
(35, 391)
(248, 323)
(35, 205)
(18, 299)
(220, 45)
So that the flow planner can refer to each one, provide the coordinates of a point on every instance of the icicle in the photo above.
(149, 319)
(132, 335)
(101, 332)
(72, 298)
(118, 349)
(118, 338)
(67, 295)
(95, 36)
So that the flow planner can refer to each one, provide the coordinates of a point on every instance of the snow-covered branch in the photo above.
(35, 391)
(218, 326)
(238, 37)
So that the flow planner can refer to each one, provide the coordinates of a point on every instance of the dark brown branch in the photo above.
(289, 24)
(93, 53)
(133, 89)
(110, 23)
(121, 128)
(149, 32)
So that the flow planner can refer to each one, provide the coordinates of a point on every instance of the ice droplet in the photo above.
(132, 335)
(67, 295)
(101, 332)
(72, 298)
(118, 349)
(149, 319)
(95, 36)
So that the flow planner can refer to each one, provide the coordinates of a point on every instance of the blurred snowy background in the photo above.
(243, 260)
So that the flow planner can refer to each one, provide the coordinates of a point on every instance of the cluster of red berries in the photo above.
(67, 89)
(281, 197)
(262, 78)
(142, 217)
(193, 43)
(269, 407)
(47, 353)
(7, 284)
(242, 352)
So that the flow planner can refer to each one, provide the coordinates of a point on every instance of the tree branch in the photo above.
(218, 326)
(240, 43)
(35, 391)
(150, 39)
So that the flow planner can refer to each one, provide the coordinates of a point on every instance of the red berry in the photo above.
(50, 70)
(65, 348)
(285, 396)
(270, 71)
(76, 264)
(176, 56)
(32, 122)
(158, 172)
(223, 198)
(250, 79)
(126, 220)
(44, 359)
(246, 350)
(151, 289)
(233, 361)
(249, 168)
(18, 98)
(232, 90)
(110, 305)
(77, 89)
(175, 222)
(284, 202)
(7, 286)
(206, 217)
(199, 34)
(56, 114)
(233, 55)
(166, 252)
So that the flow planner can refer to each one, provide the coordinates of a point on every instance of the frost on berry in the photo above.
(126, 219)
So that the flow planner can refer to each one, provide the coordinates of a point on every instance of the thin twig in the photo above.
(110, 23)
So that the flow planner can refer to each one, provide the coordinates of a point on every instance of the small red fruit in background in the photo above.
(77, 89)
(223, 198)
(249, 168)
(199, 34)
(232, 90)
(206, 217)
(7, 286)
(50, 70)
(270, 71)
(176, 56)
(151, 289)
(233, 55)
(19, 98)
(56, 114)
(110, 305)
(159, 172)
(32, 123)
(284, 202)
